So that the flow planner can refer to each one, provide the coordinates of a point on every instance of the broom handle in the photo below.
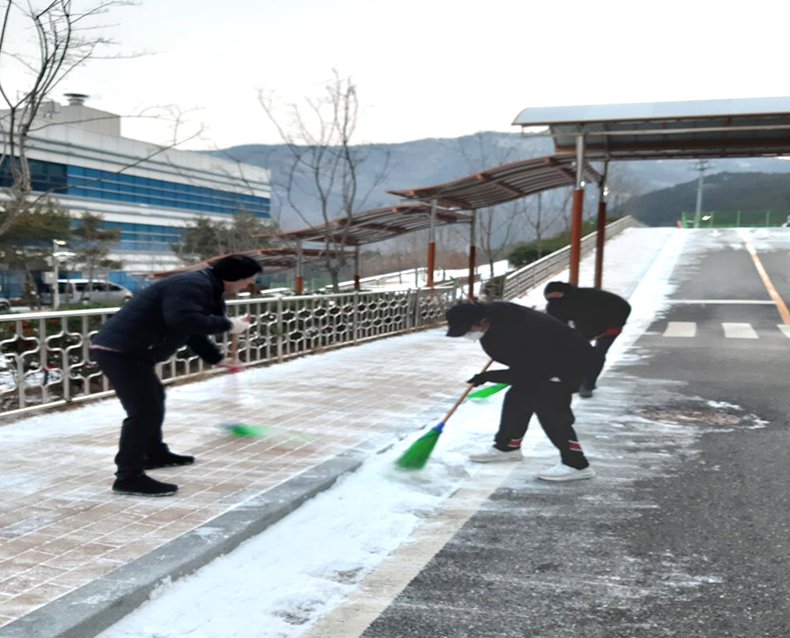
(463, 396)
(234, 347)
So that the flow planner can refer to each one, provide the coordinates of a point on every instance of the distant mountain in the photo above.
(433, 161)
(722, 192)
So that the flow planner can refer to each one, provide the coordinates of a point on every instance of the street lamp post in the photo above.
(55, 285)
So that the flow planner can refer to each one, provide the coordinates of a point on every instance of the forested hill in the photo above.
(723, 192)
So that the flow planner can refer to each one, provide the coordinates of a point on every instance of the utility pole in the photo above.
(702, 166)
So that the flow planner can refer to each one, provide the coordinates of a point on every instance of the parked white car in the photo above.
(79, 290)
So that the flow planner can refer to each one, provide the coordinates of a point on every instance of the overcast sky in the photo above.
(432, 68)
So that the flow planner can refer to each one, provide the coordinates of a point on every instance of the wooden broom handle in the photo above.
(463, 396)
(234, 347)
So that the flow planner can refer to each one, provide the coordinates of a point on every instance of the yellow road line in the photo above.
(780, 304)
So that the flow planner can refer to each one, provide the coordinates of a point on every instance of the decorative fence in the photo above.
(45, 360)
(521, 281)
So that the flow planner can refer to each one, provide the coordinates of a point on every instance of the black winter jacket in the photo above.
(534, 346)
(157, 321)
(592, 311)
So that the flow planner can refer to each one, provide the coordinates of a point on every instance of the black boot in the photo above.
(167, 459)
(143, 485)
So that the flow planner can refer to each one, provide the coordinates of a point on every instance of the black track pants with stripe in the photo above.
(551, 402)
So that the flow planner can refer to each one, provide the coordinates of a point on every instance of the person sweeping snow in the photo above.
(183, 309)
(547, 361)
(598, 314)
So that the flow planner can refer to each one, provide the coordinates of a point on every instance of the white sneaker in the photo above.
(562, 472)
(492, 455)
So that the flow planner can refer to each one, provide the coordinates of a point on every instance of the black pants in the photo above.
(143, 397)
(602, 346)
(552, 403)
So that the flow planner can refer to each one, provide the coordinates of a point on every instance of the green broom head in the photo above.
(487, 392)
(416, 456)
(242, 429)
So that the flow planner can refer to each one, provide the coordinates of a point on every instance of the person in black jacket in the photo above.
(546, 362)
(183, 309)
(599, 315)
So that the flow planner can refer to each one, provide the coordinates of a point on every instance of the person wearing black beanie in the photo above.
(235, 267)
(597, 314)
(183, 309)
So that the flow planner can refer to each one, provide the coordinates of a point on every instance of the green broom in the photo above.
(232, 388)
(416, 456)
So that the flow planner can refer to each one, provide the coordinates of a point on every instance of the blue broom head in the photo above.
(417, 454)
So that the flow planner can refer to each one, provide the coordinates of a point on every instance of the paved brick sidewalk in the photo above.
(60, 525)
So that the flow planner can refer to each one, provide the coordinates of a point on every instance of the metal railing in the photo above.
(736, 219)
(45, 358)
(521, 281)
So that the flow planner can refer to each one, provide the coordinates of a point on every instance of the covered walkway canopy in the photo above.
(504, 183)
(753, 127)
(374, 225)
(272, 259)
(378, 224)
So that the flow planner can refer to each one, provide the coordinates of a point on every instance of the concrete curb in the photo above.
(91, 609)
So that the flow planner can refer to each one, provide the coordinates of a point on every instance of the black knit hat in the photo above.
(558, 286)
(463, 316)
(235, 267)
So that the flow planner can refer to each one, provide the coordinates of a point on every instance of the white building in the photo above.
(147, 193)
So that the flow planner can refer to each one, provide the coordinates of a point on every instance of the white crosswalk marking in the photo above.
(785, 329)
(739, 331)
(681, 329)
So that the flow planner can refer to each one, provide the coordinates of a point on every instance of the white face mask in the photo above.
(474, 336)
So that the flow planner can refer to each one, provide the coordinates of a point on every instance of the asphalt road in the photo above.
(686, 530)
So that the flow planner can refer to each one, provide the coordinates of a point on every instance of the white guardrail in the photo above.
(521, 281)
(45, 360)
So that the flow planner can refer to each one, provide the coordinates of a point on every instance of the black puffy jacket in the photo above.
(592, 311)
(157, 321)
(534, 346)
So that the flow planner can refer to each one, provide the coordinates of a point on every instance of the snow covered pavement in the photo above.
(61, 527)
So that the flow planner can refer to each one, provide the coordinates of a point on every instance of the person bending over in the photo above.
(182, 309)
(546, 362)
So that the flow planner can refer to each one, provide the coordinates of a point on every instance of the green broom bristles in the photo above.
(416, 456)
(242, 429)
(487, 392)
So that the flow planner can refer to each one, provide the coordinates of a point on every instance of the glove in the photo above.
(479, 379)
(231, 365)
(239, 324)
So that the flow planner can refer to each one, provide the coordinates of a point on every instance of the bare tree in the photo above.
(65, 38)
(496, 225)
(543, 217)
(324, 163)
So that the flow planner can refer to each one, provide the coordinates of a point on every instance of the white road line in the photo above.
(380, 587)
(767, 302)
(785, 329)
(739, 331)
(681, 329)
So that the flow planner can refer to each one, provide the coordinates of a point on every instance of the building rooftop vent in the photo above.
(76, 99)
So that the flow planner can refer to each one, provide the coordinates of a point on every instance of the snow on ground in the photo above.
(278, 583)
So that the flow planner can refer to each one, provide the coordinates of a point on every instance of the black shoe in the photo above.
(585, 393)
(143, 485)
(167, 459)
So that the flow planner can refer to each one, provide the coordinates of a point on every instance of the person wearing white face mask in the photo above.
(547, 361)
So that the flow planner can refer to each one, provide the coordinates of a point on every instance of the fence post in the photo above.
(768, 218)
(355, 318)
(280, 330)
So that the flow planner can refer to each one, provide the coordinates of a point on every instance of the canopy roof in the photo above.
(272, 259)
(375, 225)
(503, 183)
(703, 128)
